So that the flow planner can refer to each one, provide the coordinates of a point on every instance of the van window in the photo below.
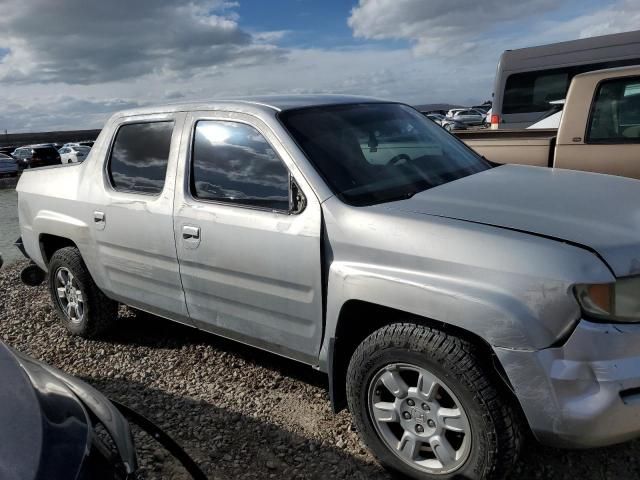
(532, 91)
(234, 163)
(139, 157)
(615, 113)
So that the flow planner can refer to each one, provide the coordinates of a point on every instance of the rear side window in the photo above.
(234, 163)
(139, 157)
(615, 113)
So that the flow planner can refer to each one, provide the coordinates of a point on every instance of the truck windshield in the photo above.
(379, 152)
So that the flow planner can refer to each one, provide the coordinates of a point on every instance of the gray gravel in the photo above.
(240, 412)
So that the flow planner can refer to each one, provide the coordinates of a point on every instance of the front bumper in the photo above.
(585, 393)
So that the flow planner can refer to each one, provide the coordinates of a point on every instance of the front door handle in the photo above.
(189, 232)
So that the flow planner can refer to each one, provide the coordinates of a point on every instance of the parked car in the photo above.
(36, 156)
(449, 124)
(73, 154)
(452, 303)
(529, 79)
(50, 424)
(596, 128)
(8, 166)
(482, 108)
(86, 143)
(468, 116)
(436, 117)
(7, 150)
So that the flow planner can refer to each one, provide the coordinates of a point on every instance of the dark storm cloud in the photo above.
(84, 42)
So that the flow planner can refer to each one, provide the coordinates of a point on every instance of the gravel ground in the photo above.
(239, 412)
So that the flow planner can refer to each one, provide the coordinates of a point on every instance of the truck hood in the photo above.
(597, 212)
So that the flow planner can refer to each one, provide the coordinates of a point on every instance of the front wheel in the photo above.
(83, 309)
(426, 407)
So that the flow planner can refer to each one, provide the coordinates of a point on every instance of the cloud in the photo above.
(59, 112)
(454, 27)
(439, 26)
(85, 42)
(74, 62)
(622, 16)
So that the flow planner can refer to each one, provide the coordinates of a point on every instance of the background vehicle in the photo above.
(73, 154)
(8, 166)
(468, 116)
(7, 150)
(36, 156)
(599, 129)
(356, 236)
(450, 124)
(55, 426)
(528, 79)
(33, 396)
(436, 117)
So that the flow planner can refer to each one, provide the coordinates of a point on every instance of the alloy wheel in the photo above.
(70, 298)
(419, 418)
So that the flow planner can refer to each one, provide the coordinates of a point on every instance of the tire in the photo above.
(95, 313)
(464, 396)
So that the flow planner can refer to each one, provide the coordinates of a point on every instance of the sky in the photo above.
(67, 64)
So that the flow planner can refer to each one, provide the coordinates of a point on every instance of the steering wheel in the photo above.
(398, 158)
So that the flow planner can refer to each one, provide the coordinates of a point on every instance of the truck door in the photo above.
(611, 143)
(132, 215)
(249, 255)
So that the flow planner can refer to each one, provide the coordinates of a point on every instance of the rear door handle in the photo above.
(190, 236)
(99, 219)
(189, 232)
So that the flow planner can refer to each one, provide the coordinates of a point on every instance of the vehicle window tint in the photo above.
(233, 162)
(375, 153)
(139, 157)
(532, 91)
(615, 113)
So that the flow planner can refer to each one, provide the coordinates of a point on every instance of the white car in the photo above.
(73, 154)
(467, 116)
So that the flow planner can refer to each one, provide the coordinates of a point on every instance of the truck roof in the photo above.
(605, 73)
(277, 103)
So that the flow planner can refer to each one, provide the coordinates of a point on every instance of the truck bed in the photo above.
(524, 147)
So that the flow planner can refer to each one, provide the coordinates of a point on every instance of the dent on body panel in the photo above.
(491, 312)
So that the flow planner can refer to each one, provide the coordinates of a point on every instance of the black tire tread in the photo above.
(101, 311)
(460, 357)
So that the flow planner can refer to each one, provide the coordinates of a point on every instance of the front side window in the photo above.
(139, 157)
(233, 163)
(375, 153)
(615, 113)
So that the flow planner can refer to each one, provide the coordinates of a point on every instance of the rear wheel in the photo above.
(426, 407)
(83, 309)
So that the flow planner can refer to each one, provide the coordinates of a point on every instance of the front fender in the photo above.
(517, 312)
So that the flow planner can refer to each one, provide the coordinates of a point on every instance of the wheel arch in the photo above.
(349, 334)
(49, 244)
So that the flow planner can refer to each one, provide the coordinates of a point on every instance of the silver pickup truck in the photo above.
(454, 304)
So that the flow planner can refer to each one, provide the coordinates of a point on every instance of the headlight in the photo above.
(619, 301)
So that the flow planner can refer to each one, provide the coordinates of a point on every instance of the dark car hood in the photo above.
(599, 212)
(43, 428)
